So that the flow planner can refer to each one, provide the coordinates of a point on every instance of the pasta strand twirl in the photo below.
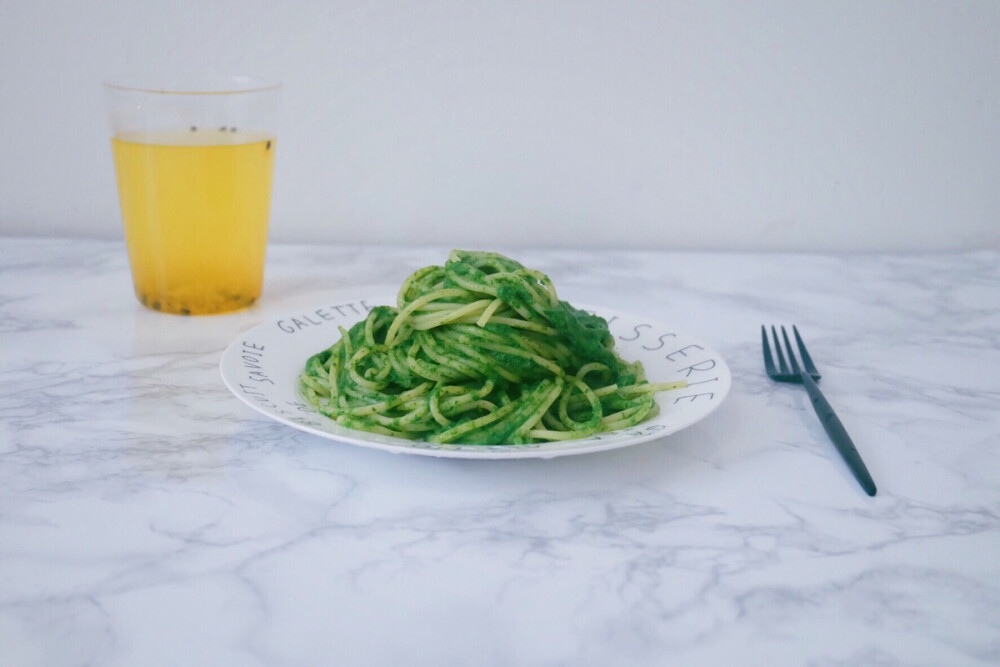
(480, 351)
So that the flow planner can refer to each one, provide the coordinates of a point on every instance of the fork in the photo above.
(807, 376)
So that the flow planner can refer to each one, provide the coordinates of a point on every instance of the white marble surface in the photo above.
(147, 517)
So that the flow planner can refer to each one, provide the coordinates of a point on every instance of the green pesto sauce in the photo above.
(458, 352)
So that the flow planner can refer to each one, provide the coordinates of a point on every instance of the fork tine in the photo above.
(777, 349)
(791, 352)
(807, 361)
(768, 359)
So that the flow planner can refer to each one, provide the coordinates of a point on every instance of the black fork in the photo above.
(807, 375)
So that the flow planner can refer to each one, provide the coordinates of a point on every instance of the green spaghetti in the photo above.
(479, 351)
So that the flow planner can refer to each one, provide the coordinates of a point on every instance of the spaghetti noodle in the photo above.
(479, 351)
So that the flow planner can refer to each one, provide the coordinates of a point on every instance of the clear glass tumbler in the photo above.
(194, 165)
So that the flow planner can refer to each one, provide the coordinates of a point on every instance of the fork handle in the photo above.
(838, 434)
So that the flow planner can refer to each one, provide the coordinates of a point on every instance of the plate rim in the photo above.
(376, 295)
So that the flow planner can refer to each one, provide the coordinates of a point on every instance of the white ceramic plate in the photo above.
(262, 367)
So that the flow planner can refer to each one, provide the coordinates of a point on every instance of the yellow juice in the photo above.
(195, 206)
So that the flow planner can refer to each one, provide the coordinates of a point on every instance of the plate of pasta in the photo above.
(476, 358)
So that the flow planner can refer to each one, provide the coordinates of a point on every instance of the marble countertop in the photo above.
(148, 517)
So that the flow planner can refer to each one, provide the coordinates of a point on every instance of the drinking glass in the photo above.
(194, 165)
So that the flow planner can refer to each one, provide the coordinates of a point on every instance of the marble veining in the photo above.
(147, 517)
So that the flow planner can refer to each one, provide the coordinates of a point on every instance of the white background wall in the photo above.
(733, 124)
